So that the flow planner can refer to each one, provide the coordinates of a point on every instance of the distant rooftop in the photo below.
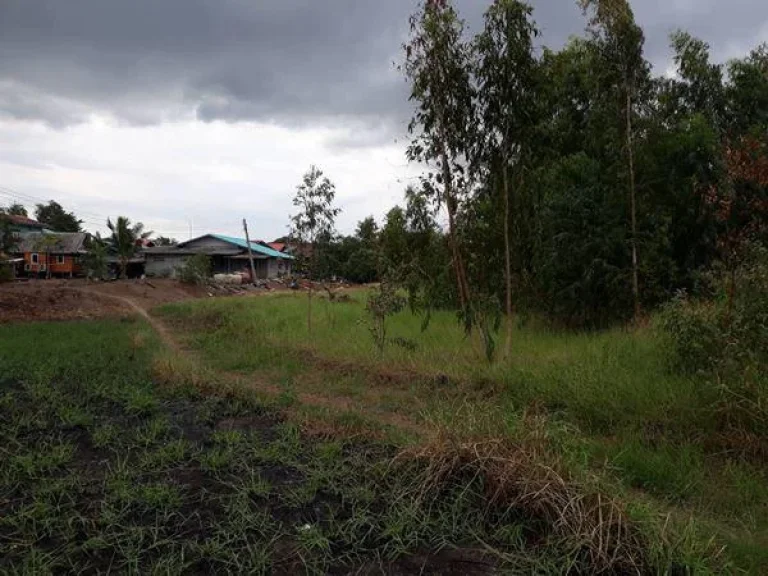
(241, 243)
(22, 221)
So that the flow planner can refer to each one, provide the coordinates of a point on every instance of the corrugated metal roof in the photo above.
(66, 242)
(168, 250)
(260, 248)
(21, 221)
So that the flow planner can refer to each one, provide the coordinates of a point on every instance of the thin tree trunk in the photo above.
(309, 307)
(730, 295)
(507, 259)
(633, 208)
(451, 205)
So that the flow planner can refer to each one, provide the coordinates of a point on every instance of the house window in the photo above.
(60, 259)
(34, 258)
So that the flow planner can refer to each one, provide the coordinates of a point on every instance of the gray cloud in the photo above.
(294, 62)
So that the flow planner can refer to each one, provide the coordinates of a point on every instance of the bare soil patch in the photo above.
(42, 300)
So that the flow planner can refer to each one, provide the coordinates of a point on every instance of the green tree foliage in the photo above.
(438, 67)
(196, 270)
(56, 218)
(622, 74)
(394, 252)
(165, 241)
(506, 72)
(15, 209)
(8, 239)
(361, 252)
(312, 227)
(95, 260)
(124, 240)
(621, 188)
(7, 245)
(382, 302)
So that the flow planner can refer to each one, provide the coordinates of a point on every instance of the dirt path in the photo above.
(156, 324)
(337, 403)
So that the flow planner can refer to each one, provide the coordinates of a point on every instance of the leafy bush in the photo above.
(727, 344)
(196, 270)
(383, 302)
(694, 331)
(95, 261)
(727, 338)
(6, 273)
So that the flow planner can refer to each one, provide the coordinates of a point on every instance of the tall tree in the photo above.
(393, 245)
(367, 231)
(437, 64)
(314, 221)
(359, 252)
(620, 41)
(506, 75)
(124, 240)
(56, 218)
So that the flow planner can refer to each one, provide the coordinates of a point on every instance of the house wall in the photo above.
(69, 265)
(163, 266)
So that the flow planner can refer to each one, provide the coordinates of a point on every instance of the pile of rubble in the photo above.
(223, 284)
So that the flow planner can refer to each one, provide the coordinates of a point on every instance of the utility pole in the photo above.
(250, 253)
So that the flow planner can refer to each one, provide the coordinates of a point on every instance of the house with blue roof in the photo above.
(228, 254)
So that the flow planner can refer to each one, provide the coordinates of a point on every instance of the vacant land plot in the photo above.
(607, 404)
(78, 299)
(102, 471)
(257, 449)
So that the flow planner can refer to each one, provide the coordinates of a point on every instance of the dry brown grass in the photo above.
(176, 370)
(524, 478)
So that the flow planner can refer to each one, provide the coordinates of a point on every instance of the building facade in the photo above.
(228, 255)
(52, 253)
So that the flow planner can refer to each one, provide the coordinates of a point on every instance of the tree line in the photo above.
(574, 183)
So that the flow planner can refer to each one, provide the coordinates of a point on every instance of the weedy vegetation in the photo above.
(115, 456)
(610, 415)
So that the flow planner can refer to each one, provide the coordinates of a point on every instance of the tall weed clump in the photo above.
(196, 270)
(724, 344)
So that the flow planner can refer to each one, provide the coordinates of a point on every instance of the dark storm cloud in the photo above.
(295, 62)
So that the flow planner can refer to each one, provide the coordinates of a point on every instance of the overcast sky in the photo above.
(191, 114)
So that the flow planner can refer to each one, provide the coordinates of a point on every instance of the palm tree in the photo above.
(124, 239)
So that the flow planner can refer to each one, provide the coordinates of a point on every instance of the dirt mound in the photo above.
(38, 300)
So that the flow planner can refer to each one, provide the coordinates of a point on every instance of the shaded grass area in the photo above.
(621, 411)
(101, 470)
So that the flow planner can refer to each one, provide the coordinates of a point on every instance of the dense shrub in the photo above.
(725, 344)
(196, 270)
(695, 333)
(728, 335)
(6, 273)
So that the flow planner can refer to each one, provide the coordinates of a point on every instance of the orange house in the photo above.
(57, 253)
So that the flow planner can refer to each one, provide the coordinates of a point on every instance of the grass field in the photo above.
(258, 449)
(611, 405)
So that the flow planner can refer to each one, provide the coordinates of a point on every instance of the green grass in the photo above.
(611, 403)
(600, 379)
(104, 470)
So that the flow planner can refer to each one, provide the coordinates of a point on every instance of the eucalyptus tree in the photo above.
(437, 65)
(622, 70)
(506, 76)
(314, 220)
